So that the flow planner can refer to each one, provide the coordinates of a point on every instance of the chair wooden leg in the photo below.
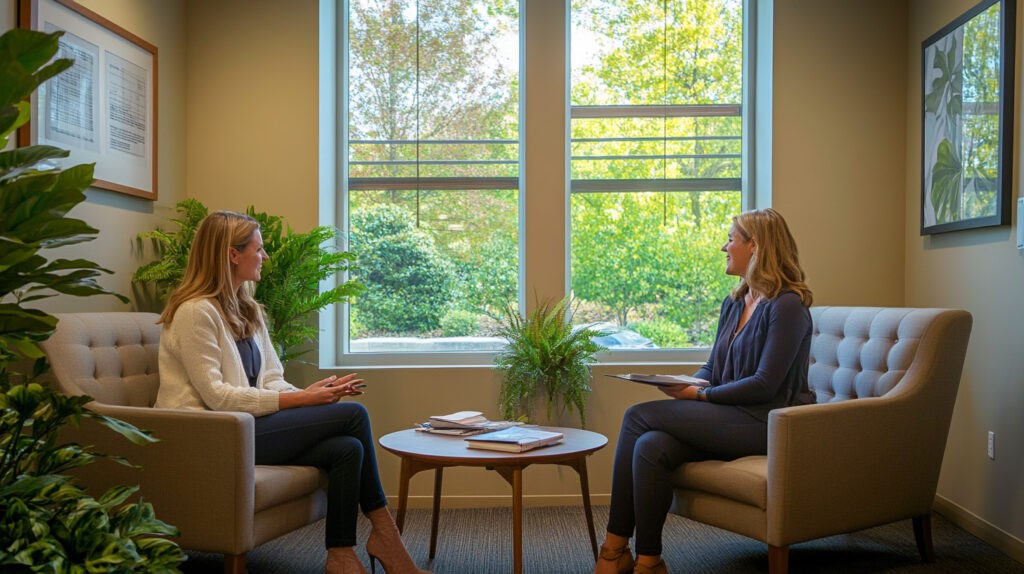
(234, 563)
(778, 559)
(923, 536)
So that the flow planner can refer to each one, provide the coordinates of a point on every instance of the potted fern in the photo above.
(290, 287)
(50, 524)
(544, 357)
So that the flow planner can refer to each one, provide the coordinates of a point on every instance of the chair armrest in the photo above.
(843, 466)
(200, 476)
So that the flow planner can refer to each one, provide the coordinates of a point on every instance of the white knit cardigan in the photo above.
(200, 367)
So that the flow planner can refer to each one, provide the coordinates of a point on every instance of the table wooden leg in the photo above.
(517, 520)
(580, 465)
(403, 492)
(585, 491)
(514, 476)
(437, 510)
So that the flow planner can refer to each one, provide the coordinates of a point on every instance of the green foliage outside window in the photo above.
(644, 260)
(409, 285)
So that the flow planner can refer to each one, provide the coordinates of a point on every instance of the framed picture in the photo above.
(967, 125)
(103, 108)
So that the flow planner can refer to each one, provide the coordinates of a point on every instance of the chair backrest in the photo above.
(111, 357)
(859, 352)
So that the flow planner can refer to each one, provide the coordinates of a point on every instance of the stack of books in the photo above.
(462, 423)
(514, 439)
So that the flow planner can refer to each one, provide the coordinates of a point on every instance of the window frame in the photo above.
(534, 14)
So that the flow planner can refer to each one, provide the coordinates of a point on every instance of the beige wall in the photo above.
(838, 144)
(845, 156)
(981, 271)
(252, 106)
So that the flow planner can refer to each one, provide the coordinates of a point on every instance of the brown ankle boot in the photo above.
(343, 560)
(614, 560)
(658, 568)
(385, 544)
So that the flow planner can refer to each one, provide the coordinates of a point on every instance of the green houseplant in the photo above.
(544, 356)
(49, 523)
(290, 287)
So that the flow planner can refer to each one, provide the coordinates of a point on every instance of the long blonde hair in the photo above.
(775, 264)
(208, 273)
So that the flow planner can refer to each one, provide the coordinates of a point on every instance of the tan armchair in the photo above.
(200, 477)
(867, 454)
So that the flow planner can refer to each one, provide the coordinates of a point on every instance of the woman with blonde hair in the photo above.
(758, 362)
(216, 354)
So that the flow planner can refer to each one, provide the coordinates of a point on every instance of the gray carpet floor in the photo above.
(479, 541)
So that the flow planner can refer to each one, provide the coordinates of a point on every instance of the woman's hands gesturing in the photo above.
(323, 392)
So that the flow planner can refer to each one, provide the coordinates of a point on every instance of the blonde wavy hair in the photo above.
(208, 273)
(775, 264)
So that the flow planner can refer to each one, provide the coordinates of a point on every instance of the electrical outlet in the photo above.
(991, 445)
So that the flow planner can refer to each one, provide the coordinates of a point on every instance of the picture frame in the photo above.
(967, 120)
(103, 109)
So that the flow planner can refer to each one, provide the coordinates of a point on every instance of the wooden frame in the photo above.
(104, 108)
(967, 74)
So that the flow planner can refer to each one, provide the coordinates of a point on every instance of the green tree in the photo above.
(433, 95)
(653, 256)
(408, 284)
(491, 275)
(618, 255)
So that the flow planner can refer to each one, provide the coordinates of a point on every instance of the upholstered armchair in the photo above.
(200, 477)
(868, 453)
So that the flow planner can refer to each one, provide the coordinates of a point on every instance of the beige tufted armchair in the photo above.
(868, 453)
(200, 477)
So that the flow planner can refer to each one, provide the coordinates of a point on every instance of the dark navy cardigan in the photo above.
(764, 366)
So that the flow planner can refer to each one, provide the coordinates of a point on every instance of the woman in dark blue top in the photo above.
(758, 363)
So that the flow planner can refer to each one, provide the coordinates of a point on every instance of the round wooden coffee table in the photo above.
(421, 451)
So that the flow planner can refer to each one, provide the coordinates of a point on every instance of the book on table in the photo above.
(459, 420)
(462, 423)
(514, 439)
(662, 380)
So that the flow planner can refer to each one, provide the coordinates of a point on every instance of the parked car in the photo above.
(617, 337)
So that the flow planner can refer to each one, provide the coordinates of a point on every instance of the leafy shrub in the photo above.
(665, 334)
(409, 284)
(459, 323)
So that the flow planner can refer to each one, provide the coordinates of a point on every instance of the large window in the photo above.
(657, 91)
(429, 185)
(432, 171)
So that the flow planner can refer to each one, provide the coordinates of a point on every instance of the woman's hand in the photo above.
(347, 386)
(323, 392)
(687, 392)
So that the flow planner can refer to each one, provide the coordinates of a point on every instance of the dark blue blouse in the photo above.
(252, 360)
(764, 366)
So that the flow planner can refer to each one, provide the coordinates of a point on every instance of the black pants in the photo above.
(336, 438)
(656, 438)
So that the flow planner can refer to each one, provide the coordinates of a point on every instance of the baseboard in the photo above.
(999, 539)
(493, 501)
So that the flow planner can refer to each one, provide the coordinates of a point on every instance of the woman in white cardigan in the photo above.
(216, 354)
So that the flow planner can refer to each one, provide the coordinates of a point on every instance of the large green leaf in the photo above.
(16, 319)
(946, 184)
(11, 119)
(27, 156)
(23, 54)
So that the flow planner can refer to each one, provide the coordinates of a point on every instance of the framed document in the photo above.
(103, 108)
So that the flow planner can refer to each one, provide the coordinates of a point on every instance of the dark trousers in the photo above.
(656, 438)
(336, 438)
